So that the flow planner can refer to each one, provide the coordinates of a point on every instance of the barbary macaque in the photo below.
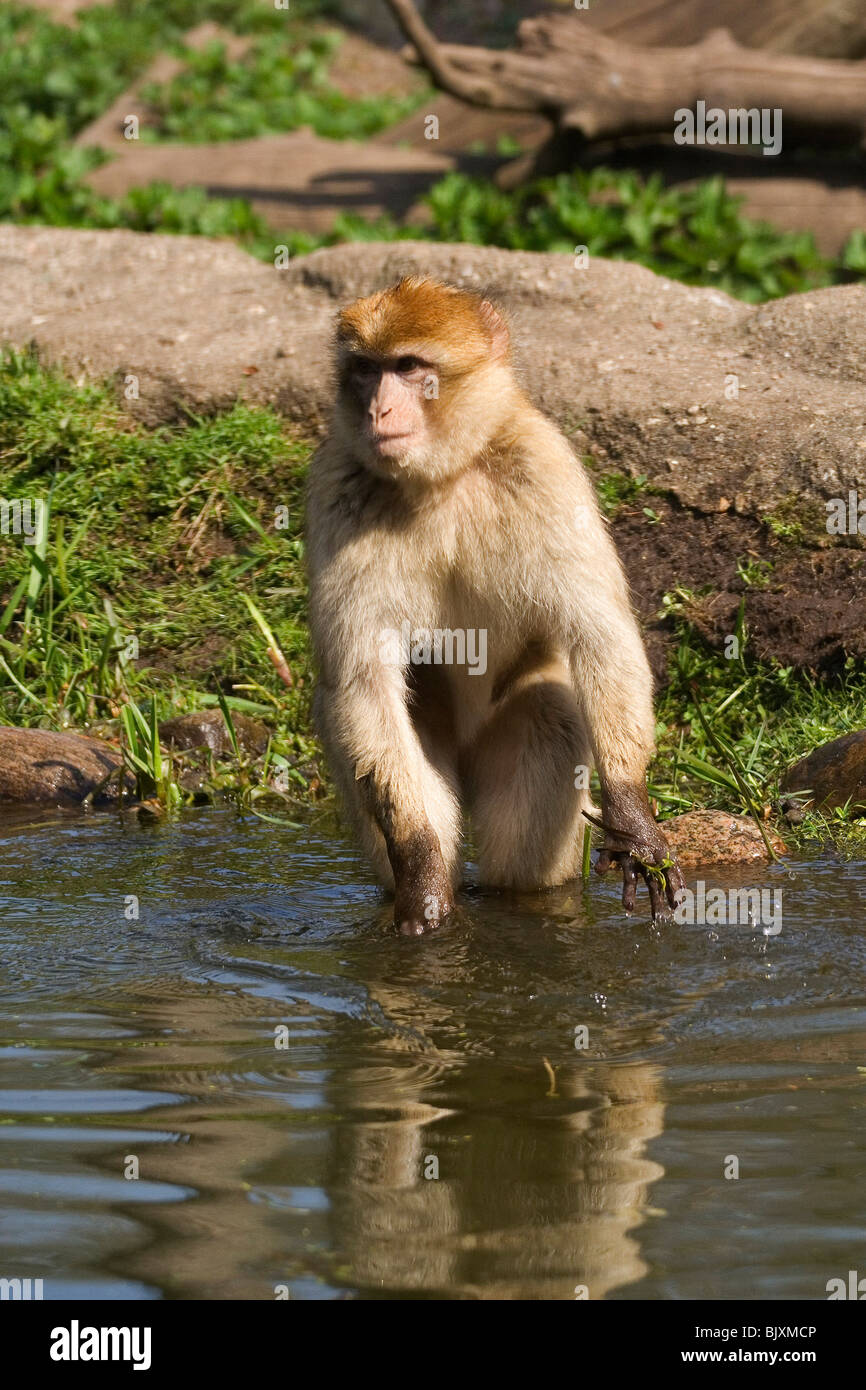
(442, 507)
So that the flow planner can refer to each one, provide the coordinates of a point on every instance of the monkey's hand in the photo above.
(636, 845)
(423, 896)
(418, 911)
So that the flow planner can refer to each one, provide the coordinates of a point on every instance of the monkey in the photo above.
(443, 502)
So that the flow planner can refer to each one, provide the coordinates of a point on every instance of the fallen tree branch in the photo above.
(600, 87)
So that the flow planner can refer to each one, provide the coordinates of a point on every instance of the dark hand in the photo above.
(635, 844)
(422, 889)
(417, 911)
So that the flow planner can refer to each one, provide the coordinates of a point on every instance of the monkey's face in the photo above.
(387, 401)
(424, 372)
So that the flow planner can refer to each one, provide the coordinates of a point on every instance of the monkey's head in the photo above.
(424, 378)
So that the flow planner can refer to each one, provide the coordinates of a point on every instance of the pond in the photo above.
(225, 1077)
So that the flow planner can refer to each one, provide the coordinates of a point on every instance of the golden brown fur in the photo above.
(466, 510)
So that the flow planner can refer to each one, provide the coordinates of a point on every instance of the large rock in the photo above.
(747, 420)
(716, 837)
(835, 774)
(640, 361)
(39, 766)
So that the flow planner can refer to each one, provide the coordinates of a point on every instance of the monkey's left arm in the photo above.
(614, 686)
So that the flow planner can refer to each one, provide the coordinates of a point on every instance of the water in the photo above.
(311, 1168)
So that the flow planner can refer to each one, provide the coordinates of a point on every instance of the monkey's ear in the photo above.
(500, 339)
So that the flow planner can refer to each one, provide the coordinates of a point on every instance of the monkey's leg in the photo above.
(527, 812)
(404, 805)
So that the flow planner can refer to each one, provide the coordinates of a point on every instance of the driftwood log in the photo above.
(594, 87)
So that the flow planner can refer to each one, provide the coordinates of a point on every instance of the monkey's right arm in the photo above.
(375, 753)
(408, 813)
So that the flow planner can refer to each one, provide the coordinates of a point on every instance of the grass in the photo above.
(729, 729)
(160, 584)
(697, 235)
(151, 539)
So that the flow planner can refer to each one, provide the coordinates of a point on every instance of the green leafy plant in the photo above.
(698, 235)
(143, 756)
(276, 87)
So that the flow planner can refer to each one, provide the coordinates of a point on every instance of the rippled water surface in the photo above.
(313, 1165)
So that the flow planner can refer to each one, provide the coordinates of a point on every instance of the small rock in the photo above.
(717, 837)
(207, 729)
(835, 774)
(39, 766)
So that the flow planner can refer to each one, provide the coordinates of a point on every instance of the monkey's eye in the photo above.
(407, 364)
(364, 366)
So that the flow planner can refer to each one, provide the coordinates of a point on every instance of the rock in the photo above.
(39, 766)
(207, 729)
(771, 396)
(835, 774)
(716, 837)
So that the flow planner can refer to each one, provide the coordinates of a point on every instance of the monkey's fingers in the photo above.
(629, 883)
(411, 927)
(658, 906)
(675, 885)
(604, 861)
(417, 922)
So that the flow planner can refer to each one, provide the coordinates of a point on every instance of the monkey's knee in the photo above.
(527, 789)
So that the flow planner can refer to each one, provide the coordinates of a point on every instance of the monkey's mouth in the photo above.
(391, 443)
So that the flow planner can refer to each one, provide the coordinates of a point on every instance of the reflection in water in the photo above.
(535, 1196)
(431, 1128)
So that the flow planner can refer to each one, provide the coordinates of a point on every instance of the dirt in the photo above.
(805, 611)
(298, 181)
